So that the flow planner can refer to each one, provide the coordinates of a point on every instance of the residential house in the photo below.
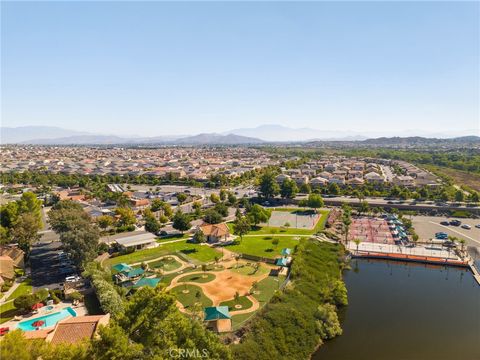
(215, 233)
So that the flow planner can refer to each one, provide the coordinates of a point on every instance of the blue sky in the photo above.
(155, 68)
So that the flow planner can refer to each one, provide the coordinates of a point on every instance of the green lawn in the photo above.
(201, 253)
(199, 278)
(262, 245)
(174, 237)
(239, 320)
(250, 270)
(267, 288)
(7, 312)
(23, 288)
(190, 298)
(242, 300)
(261, 230)
(165, 264)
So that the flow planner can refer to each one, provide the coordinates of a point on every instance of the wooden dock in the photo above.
(420, 259)
(475, 272)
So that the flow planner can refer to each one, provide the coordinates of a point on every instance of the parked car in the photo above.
(441, 235)
(455, 222)
(477, 226)
(466, 226)
(444, 223)
(73, 278)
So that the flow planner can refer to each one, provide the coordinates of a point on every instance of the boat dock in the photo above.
(419, 254)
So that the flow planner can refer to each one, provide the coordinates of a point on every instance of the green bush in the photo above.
(295, 322)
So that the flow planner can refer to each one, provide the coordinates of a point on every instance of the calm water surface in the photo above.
(403, 311)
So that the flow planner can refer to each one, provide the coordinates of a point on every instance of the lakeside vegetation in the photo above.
(296, 321)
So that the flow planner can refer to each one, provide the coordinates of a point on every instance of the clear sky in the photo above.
(155, 68)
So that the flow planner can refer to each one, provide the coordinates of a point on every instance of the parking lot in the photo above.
(45, 266)
(427, 226)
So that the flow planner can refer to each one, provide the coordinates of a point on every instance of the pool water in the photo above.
(49, 320)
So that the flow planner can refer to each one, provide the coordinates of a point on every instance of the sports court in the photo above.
(372, 230)
(299, 219)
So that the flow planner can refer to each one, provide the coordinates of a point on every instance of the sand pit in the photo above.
(225, 285)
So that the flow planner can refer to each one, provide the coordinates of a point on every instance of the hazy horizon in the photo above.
(156, 68)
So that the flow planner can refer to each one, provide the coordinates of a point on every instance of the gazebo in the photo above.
(218, 318)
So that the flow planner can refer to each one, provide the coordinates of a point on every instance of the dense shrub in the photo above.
(284, 328)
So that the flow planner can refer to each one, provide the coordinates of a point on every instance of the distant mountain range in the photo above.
(39, 135)
(46, 135)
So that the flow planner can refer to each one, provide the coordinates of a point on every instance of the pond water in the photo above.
(406, 311)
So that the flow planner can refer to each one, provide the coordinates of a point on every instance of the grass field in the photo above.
(190, 298)
(267, 288)
(250, 270)
(239, 320)
(7, 312)
(201, 253)
(261, 230)
(262, 245)
(199, 278)
(22, 289)
(242, 300)
(165, 264)
(460, 177)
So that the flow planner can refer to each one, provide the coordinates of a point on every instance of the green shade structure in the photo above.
(216, 313)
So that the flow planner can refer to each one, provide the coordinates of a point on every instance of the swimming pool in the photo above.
(49, 320)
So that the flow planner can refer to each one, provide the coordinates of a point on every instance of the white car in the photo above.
(74, 278)
(466, 226)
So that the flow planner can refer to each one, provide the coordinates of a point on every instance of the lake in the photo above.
(400, 311)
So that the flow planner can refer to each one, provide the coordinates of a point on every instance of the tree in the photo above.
(258, 214)
(199, 237)
(113, 344)
(223, 194)
(25, 231)
(275, 242)
(315, 201)
(415, 239)
(305, 188)
(236, 296)
(212, 216)
(197, 208)
(9, 214)
(181, 197)
(459, 196)
(357, 242)
(241, 226)
(268, 185)
(66, 215)
(288, 189)
(104, 221)
(474, 197)
(29, 204)
(152, 319)
(346, 220)
(25, 302)
(363, 208)
(204, 268)
(333, 189)
(222, 209)
(5, 237)
(151, 224)
(231, 199)
(81, 243)
(214, 198)
(126, 216)
(181, 221)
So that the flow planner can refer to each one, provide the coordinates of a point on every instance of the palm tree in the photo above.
(357, 242)
(462, 243)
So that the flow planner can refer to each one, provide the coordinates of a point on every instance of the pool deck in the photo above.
(12, 324)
